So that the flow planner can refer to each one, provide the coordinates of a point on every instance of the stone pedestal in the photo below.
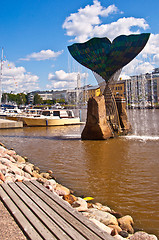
(124, 123)
(97, 127)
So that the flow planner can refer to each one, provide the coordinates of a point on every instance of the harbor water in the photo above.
(122, 173)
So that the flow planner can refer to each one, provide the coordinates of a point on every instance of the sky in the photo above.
(34, 36)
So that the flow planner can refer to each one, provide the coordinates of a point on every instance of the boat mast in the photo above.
(1, 78)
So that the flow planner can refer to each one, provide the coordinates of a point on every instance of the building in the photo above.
(119, 89)
(143, 90)
(46, 95)
(49, 95)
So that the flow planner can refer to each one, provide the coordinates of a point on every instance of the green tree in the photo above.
(21, 99)
(37, 99)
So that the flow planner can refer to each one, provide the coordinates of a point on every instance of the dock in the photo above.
(5, 124)
(42, 214)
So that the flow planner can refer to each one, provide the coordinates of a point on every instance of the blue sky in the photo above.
(35, 35)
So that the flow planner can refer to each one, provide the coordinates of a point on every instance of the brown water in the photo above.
(122, 173)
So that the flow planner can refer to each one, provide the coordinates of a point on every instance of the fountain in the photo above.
(106, 115)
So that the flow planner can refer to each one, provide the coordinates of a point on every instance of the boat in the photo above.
(54, 117)
(4, 113)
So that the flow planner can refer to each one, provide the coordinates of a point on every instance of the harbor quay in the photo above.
(6, 124)
(16, 169)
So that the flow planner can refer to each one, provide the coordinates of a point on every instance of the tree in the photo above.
(21, 99)
(37, 99)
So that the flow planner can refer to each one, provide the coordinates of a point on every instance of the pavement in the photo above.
(9, 229)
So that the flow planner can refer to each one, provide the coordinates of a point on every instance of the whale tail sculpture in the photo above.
(106, 60)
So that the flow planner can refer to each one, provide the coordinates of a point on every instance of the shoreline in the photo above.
(14, 167)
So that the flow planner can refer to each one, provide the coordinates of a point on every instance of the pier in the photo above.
(43, 215)
(4, 124)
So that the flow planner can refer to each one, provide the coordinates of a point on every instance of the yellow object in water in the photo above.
(88, 198)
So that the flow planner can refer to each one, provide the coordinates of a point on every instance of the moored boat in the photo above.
(55, 117)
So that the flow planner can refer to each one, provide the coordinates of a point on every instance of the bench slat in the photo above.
(44, 215)
(65, 226)
(7, 195)
(88, 234)
(51, 230)
(78, 216)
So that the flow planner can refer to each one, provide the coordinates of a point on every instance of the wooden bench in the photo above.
(43, 215)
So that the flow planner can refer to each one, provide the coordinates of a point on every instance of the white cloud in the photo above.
(81, 24)
(63, 80)
(122, 26)
(17, 78)
(42, 55)
(86, 23)
(137, 67)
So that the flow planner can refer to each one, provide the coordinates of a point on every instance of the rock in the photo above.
(4, 171)
(2, 177)
(50, 188)
(118, 237)
(115, 227)
(70, 198)
(50, 184)
(124, 234)
(2, 167)
(10, 152)
(2, 149)
(10, 158)
(27, 175)
(19, 178)
(27, 168)
(6, 162)
(89, 205)
(36, 175)
(143, 236)
(126, 223)
(17, 170)
(41, 180)
(45, 175)
(37, 169)
(114, 232)
(2, 145)
(61, 190)
(80, 205)
(9, 178)
(19, 159)
(51, 174)
(121, 106)
(103, 217)
(20, 165)
(116, 214)
(97, 127)
(26, 159)
(101, 226)
(101, 207)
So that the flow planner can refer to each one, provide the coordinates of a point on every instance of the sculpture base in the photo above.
(97, 126)
(124, 123)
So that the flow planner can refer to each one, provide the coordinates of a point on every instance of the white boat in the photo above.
(55, 117)
(9, 112)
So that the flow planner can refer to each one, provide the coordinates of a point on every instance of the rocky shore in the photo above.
(14, 167)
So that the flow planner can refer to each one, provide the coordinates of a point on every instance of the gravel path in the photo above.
(9, 230)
